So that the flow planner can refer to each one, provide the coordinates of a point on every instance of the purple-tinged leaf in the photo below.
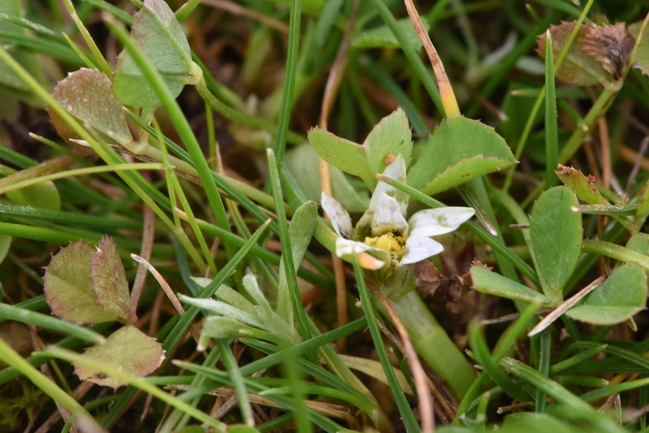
(87, 95)
(128, 350)
(109, 281)
(68, 286)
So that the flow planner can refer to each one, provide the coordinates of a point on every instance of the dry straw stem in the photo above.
(168, 291)
(554, 315)
(419, 376)
(445, 89)
(331, 90)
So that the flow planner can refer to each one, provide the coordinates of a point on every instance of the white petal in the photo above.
(434, 222)
(396, 171)
(338, 216)
(419, 248)
(369, 257)
(387, 217)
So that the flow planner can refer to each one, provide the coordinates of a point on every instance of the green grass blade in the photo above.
(405, 410)
(290, 74)
(12, 312)
(551, 128)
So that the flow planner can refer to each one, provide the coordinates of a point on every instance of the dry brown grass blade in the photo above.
(418, 373)
(558, 312)
(331, 90)
(443, 83)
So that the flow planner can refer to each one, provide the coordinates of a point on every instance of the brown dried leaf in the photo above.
(611, 46)
(578, 67)
(427, 278)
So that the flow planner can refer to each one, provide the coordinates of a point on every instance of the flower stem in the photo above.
(432, 342)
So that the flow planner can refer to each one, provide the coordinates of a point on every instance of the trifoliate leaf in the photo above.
(68, 286)
(160, 38)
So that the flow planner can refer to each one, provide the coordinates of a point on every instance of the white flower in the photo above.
(382, 236)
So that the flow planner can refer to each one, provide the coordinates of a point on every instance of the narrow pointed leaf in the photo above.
(486, 281)
(459, 150)
(68, 286)
(555, 236)
(109, 281)
(621, 296)
(128, 350)
(300, 233)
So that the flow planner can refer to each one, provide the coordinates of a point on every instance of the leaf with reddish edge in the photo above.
(87, 95)
(578, 67)
(68, 286)
(128, 350)
(109, 281)
(583, 186)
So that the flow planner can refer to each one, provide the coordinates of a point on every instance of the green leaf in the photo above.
(621, 296)
(86, 94)
(41, 196)
(555, 236)
(639, 243)
(9, 80)
(581, 185)
(536, 423)
(391, 136)
(486, 281)
(643, 206)
(128, 350)
(68, 286)
(641, 60)
(5, 244)
(158, 34)
(109, 281)
(346, 155)
(458, 151)
(302, 161)
(382, 36)
(300, 233)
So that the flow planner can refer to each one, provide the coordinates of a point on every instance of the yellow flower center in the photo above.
(395, 245)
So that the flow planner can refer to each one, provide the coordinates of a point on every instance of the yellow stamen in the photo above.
(390, 243)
